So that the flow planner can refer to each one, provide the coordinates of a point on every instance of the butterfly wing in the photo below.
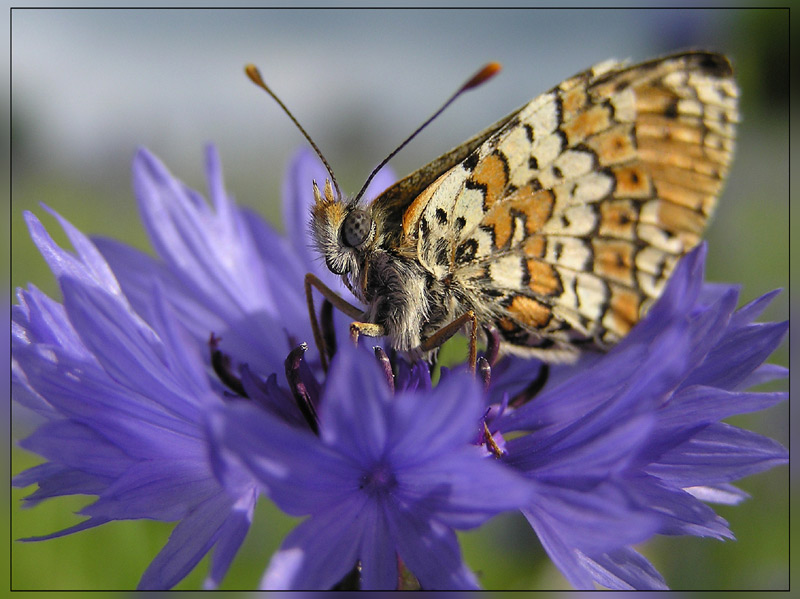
(563, 225)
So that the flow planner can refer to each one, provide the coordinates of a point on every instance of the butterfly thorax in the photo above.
(399, 293)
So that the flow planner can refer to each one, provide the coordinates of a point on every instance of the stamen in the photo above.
(298, 388)
(492, 344)
(383, 360)
(221, 363)
(533, 389)
(328, 330)
(485, 372)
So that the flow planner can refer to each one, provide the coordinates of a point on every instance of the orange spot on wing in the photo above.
(543, 278)
(572, 102)
(499, 218)
(414, 211)
(618, 219)
(614, 260)
(623, 310)
(537, 206)
(535, 246)
(614, 146)
(491, 173)
(530, 312)
(632, 182)
(587, 123)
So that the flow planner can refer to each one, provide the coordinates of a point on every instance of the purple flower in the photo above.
(123, 403)
(390, 476)
(120, 371)
(612, 450)
(630, 443)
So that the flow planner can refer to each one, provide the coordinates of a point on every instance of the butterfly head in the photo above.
(342, 230)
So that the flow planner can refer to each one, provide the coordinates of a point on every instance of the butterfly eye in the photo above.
(356, 228)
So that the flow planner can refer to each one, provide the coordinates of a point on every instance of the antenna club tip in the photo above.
(252, 72)
(486, 73)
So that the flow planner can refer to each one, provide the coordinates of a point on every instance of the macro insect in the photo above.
(557, 227)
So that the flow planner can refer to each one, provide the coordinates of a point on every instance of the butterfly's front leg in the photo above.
(368, 329)
(448, 330)
(329, 294)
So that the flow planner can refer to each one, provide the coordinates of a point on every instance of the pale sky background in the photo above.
(90, 86)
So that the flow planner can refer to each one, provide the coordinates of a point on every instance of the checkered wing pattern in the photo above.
(563, 225)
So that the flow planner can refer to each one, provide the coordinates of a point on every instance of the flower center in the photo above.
(380, 480)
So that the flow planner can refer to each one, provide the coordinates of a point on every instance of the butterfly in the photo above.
(557, 227)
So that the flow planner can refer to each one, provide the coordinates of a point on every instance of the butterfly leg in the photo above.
(329, 294)
(448, 330)
(368, 329)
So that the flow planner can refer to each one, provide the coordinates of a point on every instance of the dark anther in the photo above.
(298, 388)
(531, 390)
(221, 364)
(328, 330)
(383, 360)
(485, 372)
(492, 344)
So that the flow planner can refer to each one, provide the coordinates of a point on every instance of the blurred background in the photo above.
(90, 86)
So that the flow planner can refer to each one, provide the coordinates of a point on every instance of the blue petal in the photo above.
(586, 452)
(427, 426)
(431, 552)
(133, 421)
(299, 473)
(81, 526)
(126, 347)
(139, 273)
(738, 354)
(719, 453)
(707, 326)
(64, 264)
(564, 556)
(159, 490)
(680, 295)
(749, 312)
(594, 520)
(231, 536)
(699, 405)
(461, 489)
(55, 480)
(77, 446)
(39, 319)
(680, 512)
(354, 406)
(189, 542)
(320, 551)
(377, 552)
(624, 569)
(765, 373)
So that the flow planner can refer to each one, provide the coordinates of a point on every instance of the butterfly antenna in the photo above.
(255, 77)
(486, 73)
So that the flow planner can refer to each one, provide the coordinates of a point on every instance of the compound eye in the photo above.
(356, 228)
